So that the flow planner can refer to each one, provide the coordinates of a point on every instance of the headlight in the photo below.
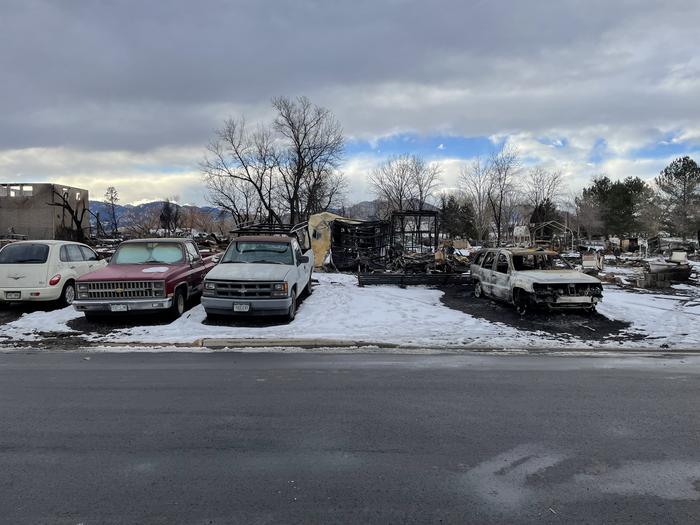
(279, 290)
(83, 295)
(82, 287)
(209, 286)
(159, 284)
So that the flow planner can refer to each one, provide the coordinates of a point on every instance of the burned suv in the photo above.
(533, 277)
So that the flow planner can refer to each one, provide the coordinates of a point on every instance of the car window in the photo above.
(479, 259)
(71, 253)
(259, 252)
(488, 261)
(24, 253)
(297, 253)
(148, 253)
(502, 264)
(192, 251)
(88, 254)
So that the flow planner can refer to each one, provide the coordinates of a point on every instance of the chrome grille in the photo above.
(243, 289)
(123, 290)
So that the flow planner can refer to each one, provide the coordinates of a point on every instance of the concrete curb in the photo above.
(293, 343)
(330, 344)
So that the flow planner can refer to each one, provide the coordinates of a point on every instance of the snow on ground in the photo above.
(30, 325)
(664, 319)
(340, 310)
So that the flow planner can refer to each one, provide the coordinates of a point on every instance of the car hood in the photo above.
(131, 272)
(249, 272)
(555, 277)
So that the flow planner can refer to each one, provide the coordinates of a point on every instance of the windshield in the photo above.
(148, 253)
(539, 261)
(259, 252)
(24, 254)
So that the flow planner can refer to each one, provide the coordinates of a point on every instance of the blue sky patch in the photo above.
(428, 146)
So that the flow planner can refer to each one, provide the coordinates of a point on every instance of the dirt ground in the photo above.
(588, 327)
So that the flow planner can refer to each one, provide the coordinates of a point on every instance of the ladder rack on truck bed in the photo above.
(299, 230)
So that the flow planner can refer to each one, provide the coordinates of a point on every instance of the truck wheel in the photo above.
(477, 289)
(68, 294)
(292, 308)
(178, 307)
(308, 290)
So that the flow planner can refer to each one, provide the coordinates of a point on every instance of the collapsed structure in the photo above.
(44, 211)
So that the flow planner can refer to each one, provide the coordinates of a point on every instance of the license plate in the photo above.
(118, 307)
(13, 295)
(574, 299)
(241, 307)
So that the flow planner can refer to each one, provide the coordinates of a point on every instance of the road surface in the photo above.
(292, 438)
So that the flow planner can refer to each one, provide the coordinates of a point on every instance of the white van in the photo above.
(44, 270)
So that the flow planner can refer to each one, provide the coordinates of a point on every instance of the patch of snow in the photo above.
(341, 310)
(155, 269)
(30, 325)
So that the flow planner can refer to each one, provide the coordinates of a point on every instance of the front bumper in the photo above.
(568, 301)
(224, 306)
(132, 305)
(45, 294)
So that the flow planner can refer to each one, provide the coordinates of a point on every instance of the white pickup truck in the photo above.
(530, 277)
(260, 275)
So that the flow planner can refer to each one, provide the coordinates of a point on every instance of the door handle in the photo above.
(72, 267)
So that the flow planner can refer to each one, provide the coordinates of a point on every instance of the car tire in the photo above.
(178, 306)
(522, 303)
(292, 313)
(478, 292)
(67, 294)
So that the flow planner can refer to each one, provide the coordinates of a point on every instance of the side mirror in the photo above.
(303, 259)
(216, 259)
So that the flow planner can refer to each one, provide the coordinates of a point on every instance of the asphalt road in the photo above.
(292, 438)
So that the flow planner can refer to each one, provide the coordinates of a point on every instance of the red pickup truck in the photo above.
(144, 275)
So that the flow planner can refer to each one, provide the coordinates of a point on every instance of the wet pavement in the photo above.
(274, 438)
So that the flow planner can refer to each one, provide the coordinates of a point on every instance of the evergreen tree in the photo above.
(679, 187)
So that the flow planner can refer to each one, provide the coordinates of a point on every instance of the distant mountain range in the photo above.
(365, 210)
(124, 211)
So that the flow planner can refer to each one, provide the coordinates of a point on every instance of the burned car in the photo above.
(533, 277)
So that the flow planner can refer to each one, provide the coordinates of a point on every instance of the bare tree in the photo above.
(405, 182)
(142, 223)
(310, 158)
(170, 217)
(542, 185)
(238, 197)
(74, 230)
(289, 168)
(475, 180)
(111, 199)
(503, 167)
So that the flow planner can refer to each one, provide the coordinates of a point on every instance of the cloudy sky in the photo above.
(127, 93)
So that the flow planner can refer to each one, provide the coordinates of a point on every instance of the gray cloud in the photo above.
(138, 76)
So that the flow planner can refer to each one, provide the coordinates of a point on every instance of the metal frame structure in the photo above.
(300, 231)
(359, 244)
(409, 226)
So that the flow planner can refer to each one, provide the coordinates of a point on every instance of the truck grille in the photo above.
(124, 290)
(243, 289)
